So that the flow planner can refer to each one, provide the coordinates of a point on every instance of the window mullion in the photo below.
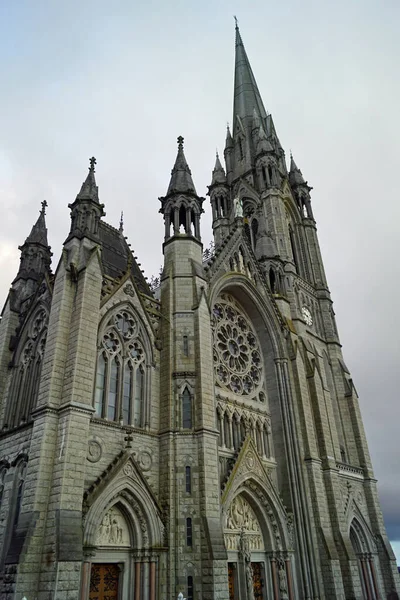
(106, 386)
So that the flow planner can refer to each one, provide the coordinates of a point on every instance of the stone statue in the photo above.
(238, 208)
(282, 582)
(244, 549)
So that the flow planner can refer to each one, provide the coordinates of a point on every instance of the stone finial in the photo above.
(44, 206)
(180, 142)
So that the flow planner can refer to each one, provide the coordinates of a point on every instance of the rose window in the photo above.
(237, 355)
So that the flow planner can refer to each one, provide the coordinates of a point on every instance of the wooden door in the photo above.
(231, 580)
(104, 581)
(258, 582)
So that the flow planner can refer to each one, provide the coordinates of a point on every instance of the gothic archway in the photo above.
(123, 538)
(259, 541)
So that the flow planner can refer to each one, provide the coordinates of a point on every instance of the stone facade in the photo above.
(201, 435)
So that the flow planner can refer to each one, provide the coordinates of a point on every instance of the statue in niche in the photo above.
(238, 208)
(282, 581)
(244, 549)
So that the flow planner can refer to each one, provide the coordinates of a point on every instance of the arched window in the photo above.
(26, 377)
(190, 587)
(189, 532)
(272, 280)
(241, 155)
(188, 480)
(187, 419)
(293, 248)
(120, 374)
(182, 219)
(3, 472)
(366, 563)
(264, 175)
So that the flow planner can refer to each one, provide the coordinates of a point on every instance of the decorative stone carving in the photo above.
(128, 470)
(290, 528)
(129, 291)
(243, 530)
(113, 530)
(282, 581)
(94, 451)
(145, 460)
(237, 352)
(241, 516)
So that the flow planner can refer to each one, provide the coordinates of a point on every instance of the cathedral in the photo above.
(200, 434)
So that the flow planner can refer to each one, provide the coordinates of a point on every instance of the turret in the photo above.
(86, 211)
(301, 189)
(181, 206)
(220, 202)
(34, 263)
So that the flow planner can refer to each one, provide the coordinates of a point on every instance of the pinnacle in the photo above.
(295, 175)
(229, 139)
(89, 189)
(218, 174)
(181, 176)
(38, 234)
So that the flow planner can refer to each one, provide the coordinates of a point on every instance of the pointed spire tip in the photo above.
(44, 206)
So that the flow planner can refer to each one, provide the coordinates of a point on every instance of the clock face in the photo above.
(307, 316)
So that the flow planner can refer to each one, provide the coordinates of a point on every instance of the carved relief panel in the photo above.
(242, 523)
(113, 530)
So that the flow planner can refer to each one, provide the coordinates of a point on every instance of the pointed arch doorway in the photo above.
(257, 569)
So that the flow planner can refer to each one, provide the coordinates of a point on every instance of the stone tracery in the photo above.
(237, 354)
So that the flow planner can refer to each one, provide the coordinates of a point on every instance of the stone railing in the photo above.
(349, 470)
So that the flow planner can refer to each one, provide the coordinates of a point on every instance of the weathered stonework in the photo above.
(202, 437)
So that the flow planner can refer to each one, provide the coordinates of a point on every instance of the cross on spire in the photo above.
(93, 162)
(121, 222)
(44, 206)
(180, 142)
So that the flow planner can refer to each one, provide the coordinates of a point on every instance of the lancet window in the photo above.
(26, 377)
(121, 371)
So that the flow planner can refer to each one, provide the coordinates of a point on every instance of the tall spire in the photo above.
(247, 98)
(181, 176)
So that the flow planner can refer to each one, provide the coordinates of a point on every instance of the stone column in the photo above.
(85, 579)
(231, 444)
(197, 226)
(138, 566)
(167, 225)
(288, 567)
(373, 575)
(365, 573)
(275, 584)
(188, 221)
(146, 579)
(153, 579)
(222, 424)
(176, 220)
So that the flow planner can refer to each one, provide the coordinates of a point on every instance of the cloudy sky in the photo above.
(121, 80)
